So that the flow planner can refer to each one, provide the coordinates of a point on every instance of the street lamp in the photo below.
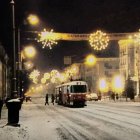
(103, 87)
(33, 19)
(90, 60)
(14, 88)
(118, 84)
(29, 52)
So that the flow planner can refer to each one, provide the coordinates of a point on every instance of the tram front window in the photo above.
(78, 88)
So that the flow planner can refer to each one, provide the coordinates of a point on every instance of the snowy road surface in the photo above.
(96, 121)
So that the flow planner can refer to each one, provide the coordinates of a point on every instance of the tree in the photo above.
(129, 89)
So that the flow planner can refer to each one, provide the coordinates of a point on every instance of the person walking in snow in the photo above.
(47, 99)
(53, 99)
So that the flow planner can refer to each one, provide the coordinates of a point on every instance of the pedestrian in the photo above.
(46, 99)
(53, 99)
(117, 96)
(113, 96)
(1, 105)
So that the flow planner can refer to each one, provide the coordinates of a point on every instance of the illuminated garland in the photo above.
(98, 40)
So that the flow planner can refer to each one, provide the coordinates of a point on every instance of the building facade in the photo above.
(104, 68)
(4, 74)
(130, 62)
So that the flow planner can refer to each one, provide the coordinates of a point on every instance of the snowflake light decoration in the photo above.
(34, 76)
(47, 38)
(46, 75)
(98, 40)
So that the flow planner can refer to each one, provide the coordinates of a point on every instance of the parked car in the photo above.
(28, 98)
(92, 96)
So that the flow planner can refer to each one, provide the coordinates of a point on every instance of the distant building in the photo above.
(130, 61)
(4, 74)
(104, 68)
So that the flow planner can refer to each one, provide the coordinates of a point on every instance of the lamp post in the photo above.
(19, 66)
(14, 88)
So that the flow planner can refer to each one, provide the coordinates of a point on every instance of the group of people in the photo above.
(114, 96)
(47, 99)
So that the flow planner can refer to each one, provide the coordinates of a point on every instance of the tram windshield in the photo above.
(78, 88)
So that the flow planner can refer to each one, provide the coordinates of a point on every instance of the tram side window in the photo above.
(78, 88)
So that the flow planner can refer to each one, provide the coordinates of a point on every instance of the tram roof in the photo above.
(73, 83)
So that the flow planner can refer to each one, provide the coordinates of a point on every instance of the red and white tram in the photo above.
(72, 93)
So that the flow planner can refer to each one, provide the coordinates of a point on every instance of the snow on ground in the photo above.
(34, 124)
(100, 120)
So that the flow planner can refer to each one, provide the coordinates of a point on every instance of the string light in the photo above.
(47, 38)
(98, 40)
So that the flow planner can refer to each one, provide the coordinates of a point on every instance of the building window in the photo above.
(108, 74)
(107, 66)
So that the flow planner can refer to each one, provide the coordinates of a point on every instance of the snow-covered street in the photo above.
(98, 120)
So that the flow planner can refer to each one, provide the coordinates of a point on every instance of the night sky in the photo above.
(70, 16)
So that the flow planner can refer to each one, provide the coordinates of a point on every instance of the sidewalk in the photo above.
(4, 116)
(121, 99)
(34, 124)
(9, 132)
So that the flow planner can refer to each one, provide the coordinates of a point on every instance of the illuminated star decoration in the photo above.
(47, 39)
(98, 40)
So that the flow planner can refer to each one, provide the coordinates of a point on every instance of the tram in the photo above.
(72, 93)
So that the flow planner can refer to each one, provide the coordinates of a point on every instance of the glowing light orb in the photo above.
(47, 38)
(118, 84)
(98, 40)
(74, 69)
(103, 85)
(53, 80)
(54, 73)
(62, 77)
(43, 80)
(46, 76)
(33, 19)
(90, 60)
(29, 51)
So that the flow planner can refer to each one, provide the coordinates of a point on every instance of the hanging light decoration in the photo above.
(48, 39)
(34, 76)
(54, 73)
(98, 40)
(43, 80)
(46, 75)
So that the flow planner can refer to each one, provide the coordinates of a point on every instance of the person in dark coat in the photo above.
(1, 105)
(53, 99)
(117, 96)
(113, 96)
(46, 99)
